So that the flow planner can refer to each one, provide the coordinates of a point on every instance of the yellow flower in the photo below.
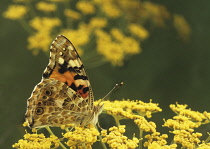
(116, 139)
(40, 40)
(181, 123)
(25, 124)
(139, 31)
(155, 140)
(15, 12)
(144, 124)
(111, 50)
(182, 27)
(142, 108)
(98, 22)
(46, 7)
(117, 34)
(37, 141)
(204, 145)
(181, 110)
(82, 136)
(44, 23)
(156, 13)
(111, 10)
(85, 7)
(72, 14)
(130, 46)
(186, 138)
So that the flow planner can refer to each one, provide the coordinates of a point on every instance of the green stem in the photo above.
(117, 121)
(207, 140)
(25, 26)
(50, 131)
(140, 138)
(102, 143)
(100, 138)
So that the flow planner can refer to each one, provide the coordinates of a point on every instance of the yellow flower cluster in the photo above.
(155, 139)
(139, 31)
(81, 137)
(130, 109)
(41, 39)
(155, 13)
(193, 115)
(110, 9)
(123, 34)
(182, 27)
(183, 126)
(85, 7)
(188, 139)
(44, 23)
(116, 140)
(181, 123)
(203, 145)
(72, 14)
(97, 22)
(119, 45)
(155, 145)
(144, 125)
(46, 7)
(15, 12)
(37, 141)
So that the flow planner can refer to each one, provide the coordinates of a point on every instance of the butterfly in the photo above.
(64, 95)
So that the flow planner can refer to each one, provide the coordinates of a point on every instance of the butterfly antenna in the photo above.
(113, 89)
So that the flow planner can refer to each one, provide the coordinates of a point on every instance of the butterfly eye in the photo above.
(48, 92)
(39, 110)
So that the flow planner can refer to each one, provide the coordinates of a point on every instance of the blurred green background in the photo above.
(168, 70)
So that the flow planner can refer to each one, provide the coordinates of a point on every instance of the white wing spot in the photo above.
(73, 63)
(70, 47)
(61, 60)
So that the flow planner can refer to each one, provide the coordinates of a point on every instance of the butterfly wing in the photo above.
(66, 66)
(64, 95)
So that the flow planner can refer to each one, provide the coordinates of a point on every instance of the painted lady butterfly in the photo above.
(64, 95)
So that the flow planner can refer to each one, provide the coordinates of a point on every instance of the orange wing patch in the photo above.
(68, 77)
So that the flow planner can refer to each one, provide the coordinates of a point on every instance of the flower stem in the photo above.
(25, 26)
(117, 121)
(207, 140)
(102, 143)
(50, 131)
(140, 138)
(100, 138)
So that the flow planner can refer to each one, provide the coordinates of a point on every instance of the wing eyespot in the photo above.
(44, 97)
(39, 110)
(48, 92)
(39, 103)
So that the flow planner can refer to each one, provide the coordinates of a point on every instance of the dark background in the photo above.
(167, 71)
